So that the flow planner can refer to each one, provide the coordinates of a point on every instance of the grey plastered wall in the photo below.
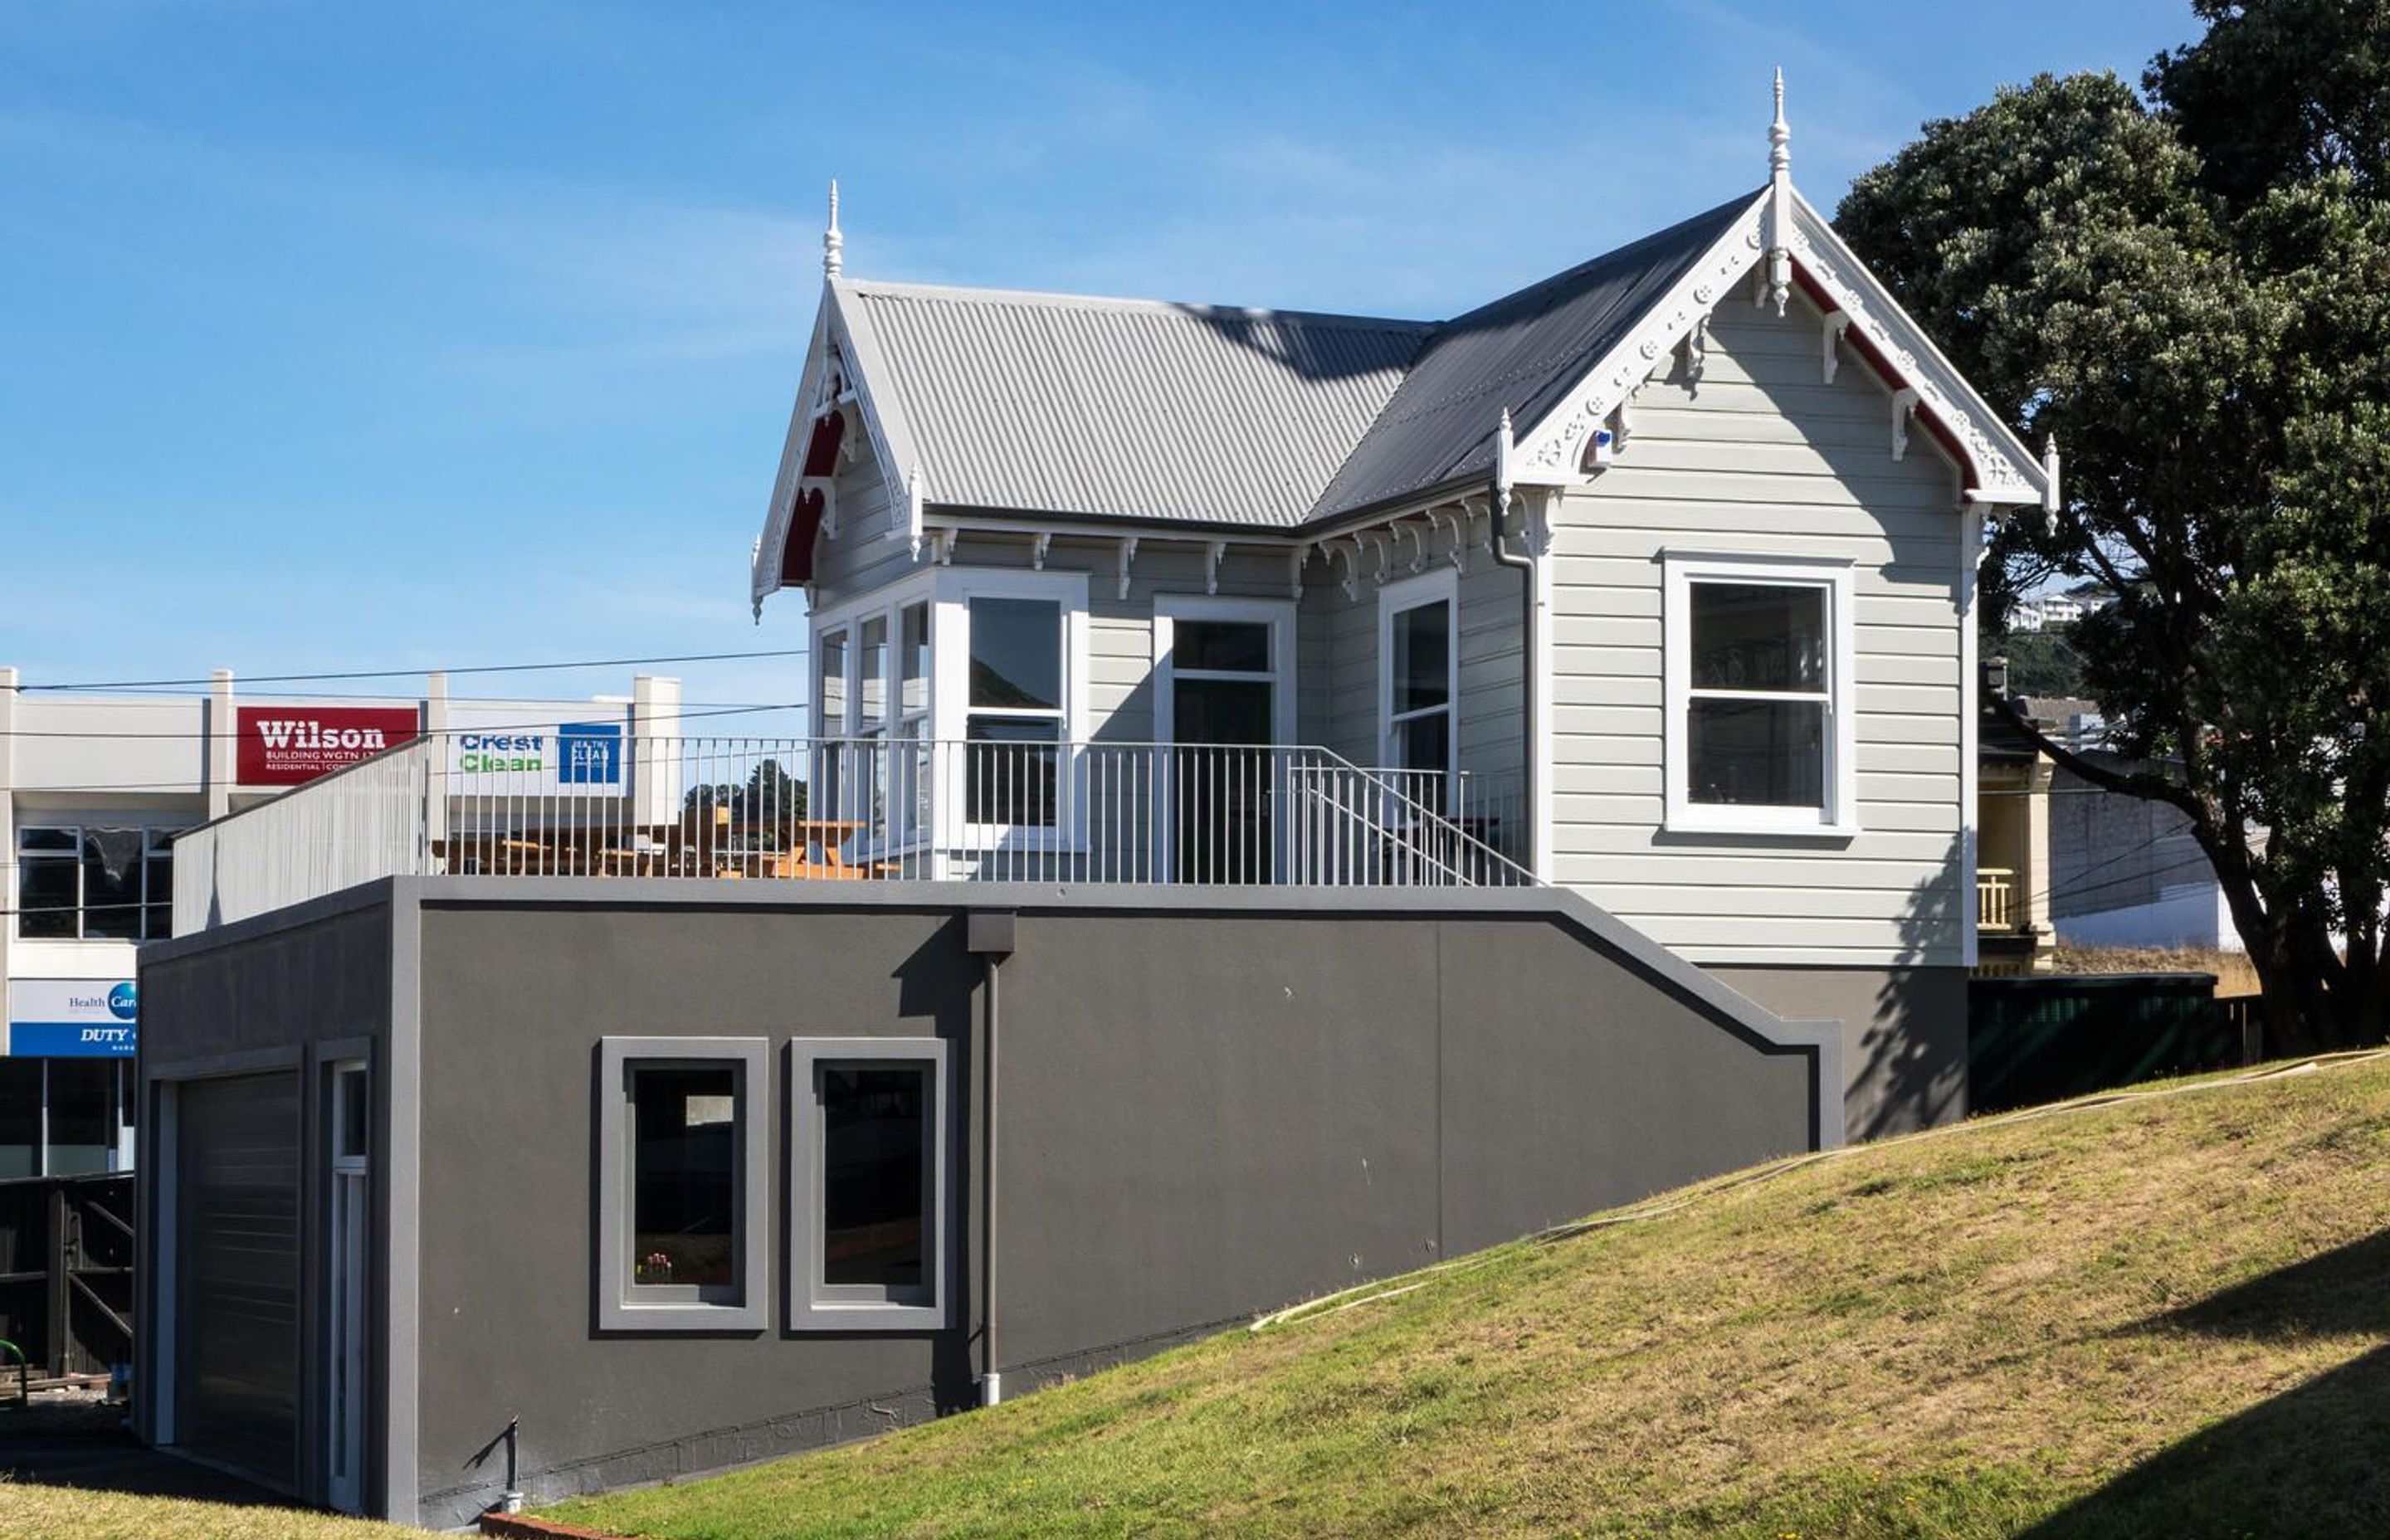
(1213, 1103)
(286, 991)
(1903, 1033)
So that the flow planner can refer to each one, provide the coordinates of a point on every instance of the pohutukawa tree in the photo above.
(2190, 287)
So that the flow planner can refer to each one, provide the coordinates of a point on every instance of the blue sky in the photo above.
(419, 335)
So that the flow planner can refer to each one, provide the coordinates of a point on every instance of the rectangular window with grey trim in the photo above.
(870, 1183)
(682, 1137)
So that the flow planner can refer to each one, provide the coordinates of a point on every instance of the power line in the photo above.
(401, 673)
(677, 716)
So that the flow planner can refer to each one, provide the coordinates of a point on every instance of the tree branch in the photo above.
(2156, 789)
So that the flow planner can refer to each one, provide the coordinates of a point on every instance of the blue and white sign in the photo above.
(500, 751)
(73, 1019)
(589, 753)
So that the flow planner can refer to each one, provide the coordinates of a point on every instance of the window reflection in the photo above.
(875, 1175)
(684, 1176)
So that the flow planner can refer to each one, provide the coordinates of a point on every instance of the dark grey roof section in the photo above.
(1121, 408)
(1134, 410)
(1524, 351)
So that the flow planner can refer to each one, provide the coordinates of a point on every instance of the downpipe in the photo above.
(991, 1382)
(1530, 628)
(988, 935)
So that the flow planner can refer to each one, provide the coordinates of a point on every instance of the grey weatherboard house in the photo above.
(1290, 797)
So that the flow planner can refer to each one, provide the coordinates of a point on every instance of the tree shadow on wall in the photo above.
(2312, 1462)
(1912, 1060)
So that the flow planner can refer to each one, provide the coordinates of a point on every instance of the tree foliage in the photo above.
(2042, 663)
(2193, 293)
(770, 797)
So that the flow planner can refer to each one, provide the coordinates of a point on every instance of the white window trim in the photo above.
(948, 592)
(1839, 817)
(1169, 608)
(1278, 614)
(888, 603)
(810, 1308)
(1393, 599)
(624, 1305)
(950, 705)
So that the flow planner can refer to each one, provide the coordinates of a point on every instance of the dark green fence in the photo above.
(2047, 1037)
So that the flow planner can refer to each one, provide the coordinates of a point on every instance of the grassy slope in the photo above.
(2165, 1317)
(30, 1512)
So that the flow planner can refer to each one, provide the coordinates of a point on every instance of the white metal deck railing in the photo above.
(854, 810)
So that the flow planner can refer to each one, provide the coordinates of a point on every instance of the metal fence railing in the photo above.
(66, 1276)
(1008, 808)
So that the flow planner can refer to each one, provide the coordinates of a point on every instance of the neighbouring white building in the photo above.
(93, 791)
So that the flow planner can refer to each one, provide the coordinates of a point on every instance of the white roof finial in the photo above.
(1776, 228)
(833, 244)
(1780, 136)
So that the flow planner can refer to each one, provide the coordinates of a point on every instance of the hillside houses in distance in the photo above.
(2043, 611)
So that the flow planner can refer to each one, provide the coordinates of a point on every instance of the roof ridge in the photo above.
(1580, 269)
(1502, 345)
(963, 293)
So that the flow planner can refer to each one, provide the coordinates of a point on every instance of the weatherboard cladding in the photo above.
(1123, 408)
(1139, 409)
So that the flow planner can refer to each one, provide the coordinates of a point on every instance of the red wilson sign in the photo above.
(286, 745)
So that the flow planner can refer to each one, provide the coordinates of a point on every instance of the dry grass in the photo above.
(2163, 1316)
(2234, 973)
(63, 1513)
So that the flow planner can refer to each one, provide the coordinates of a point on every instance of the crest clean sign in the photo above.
(73, 1018)
(492, 752)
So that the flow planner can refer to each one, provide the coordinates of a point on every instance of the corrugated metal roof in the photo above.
(1062, 405)
(1524, 352)
(1118, 408)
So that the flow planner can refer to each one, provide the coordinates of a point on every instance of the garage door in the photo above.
(237, 1266)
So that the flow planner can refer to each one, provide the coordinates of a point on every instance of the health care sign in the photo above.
(72, 1018)
(291, 745)
(492, 752)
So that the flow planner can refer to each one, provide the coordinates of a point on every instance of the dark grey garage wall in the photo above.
(1207, 1112)
(270, 995)
(1904, 1036)
(282, 987)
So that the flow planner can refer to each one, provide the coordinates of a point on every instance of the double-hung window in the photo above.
(86, 881)
(1757, 677)
(681, 1212)
(1013, 721)
(948, 701)
(1417, 693)
(868, 1179)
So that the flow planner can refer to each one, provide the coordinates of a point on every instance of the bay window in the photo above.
(1757, 676)
(966, 674)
